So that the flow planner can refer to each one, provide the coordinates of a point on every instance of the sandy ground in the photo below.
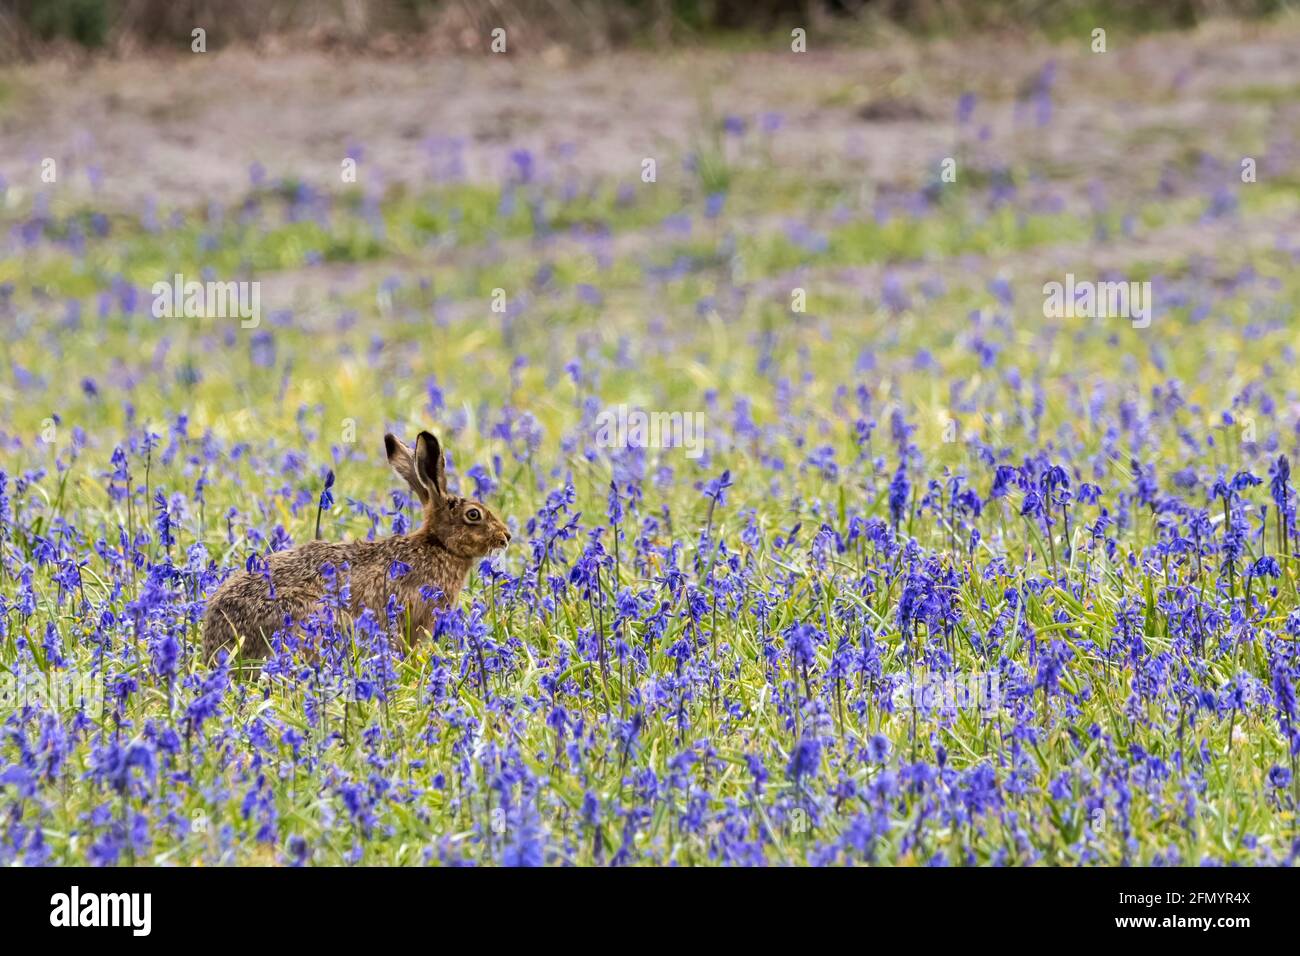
(185, 130)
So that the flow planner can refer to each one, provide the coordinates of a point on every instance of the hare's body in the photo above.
(434, 560)
(244, 607)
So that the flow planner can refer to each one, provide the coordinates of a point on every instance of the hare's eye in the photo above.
(474, 514)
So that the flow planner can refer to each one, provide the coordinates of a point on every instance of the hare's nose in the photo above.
(507, 537)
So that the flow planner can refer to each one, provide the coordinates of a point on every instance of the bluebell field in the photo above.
(950, 582)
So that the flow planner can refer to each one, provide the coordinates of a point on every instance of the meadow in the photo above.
(950, 582)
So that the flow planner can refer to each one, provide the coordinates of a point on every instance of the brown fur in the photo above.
(243, 615)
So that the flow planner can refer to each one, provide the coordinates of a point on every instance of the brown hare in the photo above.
(244, 612)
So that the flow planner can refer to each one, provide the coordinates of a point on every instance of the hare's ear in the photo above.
(429, 465)
(403, 462)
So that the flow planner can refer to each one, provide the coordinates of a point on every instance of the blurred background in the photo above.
(32, 27)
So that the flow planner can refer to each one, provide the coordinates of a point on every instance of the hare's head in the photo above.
(465, 527)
